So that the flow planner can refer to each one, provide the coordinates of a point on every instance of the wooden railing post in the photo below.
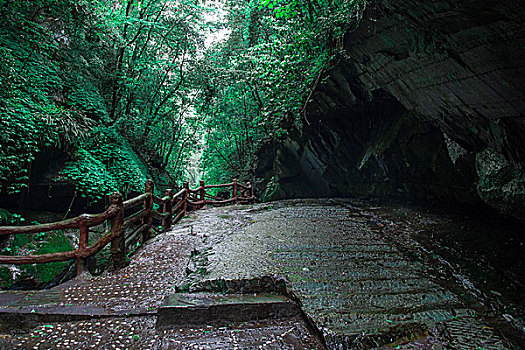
(186, 186)
(250, 191)
(82, 245)
(235, 190)
(167, 207)
(118, 244)
(202, 193)
(148, 205)
(115, 214)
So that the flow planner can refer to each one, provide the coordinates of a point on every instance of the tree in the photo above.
(255, 85)
(116, 71)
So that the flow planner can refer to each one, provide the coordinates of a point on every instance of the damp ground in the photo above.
(365, 276)
(362, 272)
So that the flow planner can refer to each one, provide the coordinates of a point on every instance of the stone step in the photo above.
(326, 264)
(379, 303)
(349, 275)
(371, 323)
(357, 255)
(366, 287)
(24, 318)
(208, 308)
(336, 248)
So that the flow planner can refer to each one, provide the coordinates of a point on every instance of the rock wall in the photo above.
(48, 193)
(427, 101)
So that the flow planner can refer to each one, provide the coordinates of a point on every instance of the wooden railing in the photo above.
(124, 229)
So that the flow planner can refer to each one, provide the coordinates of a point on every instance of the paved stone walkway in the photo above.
(153, 273)
(118, 310)
(341, 261)
(344, 261)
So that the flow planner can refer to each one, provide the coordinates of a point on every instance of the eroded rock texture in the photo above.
(427, 101)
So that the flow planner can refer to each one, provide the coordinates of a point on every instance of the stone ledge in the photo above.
(207, 308)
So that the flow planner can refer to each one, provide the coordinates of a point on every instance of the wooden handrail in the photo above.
(148, 205)
(161, 200)
(38, 259)
(196, 203)
(159, 216)
(247, 199)
(131, 203)
(138, 216)
(118, 241)
(179, 216)
(167, 209)
(234, 194)
(173, 208)
(179, 206)
(213, 197)
(180, 193)
(226, 201)
(219, 186)
(97, 247)
(89, 219)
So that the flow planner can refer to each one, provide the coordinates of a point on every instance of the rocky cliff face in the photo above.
(426, 102)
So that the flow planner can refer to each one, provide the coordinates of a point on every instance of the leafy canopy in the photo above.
(104, 81)
(255, 85)
(128, 90)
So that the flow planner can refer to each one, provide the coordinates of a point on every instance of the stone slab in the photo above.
(23, 318)
(209, 308)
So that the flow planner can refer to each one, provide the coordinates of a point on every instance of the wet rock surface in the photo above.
(358, 272)
(118, 310)
(365, 276)
(425, 102)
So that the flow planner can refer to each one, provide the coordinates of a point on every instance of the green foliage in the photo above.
(76, 72)
(38, 243)
(280, 8)
(271, 188)
(85, 97)
(103, 163)
(255, 85)
(6, 277)
(51, 242)
(31, 115)
(7, 218)
(25, 129)
(111, 82)
(156, 45)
